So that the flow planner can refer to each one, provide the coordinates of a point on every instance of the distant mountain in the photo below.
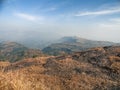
(73, 44)
(31, 39)
(12, 51)
(73, 39)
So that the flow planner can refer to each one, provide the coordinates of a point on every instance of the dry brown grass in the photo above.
(28, 78)
(17, 81)
(62, 73)
(114, 58)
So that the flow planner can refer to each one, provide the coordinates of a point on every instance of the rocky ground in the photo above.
(94, 69)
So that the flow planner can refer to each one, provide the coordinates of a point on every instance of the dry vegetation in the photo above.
(95, 69)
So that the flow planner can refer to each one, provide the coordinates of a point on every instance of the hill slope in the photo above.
(13, 51)
(94, 69)
(73, 44)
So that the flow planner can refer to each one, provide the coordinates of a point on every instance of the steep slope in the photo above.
(13, 51)
(73, 44)
(94, 69)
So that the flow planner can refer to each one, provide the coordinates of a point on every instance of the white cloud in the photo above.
(26, 16)
(101, 12)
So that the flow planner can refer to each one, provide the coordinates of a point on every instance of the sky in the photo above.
(91, 19)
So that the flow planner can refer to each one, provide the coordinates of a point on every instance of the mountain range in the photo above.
(13, 51)
(73, 44)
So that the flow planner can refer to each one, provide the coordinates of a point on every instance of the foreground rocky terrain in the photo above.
(94, 69)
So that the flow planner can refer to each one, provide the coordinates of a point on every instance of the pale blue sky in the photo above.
(92, 19)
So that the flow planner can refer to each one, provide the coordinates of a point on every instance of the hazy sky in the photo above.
(92, 19)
